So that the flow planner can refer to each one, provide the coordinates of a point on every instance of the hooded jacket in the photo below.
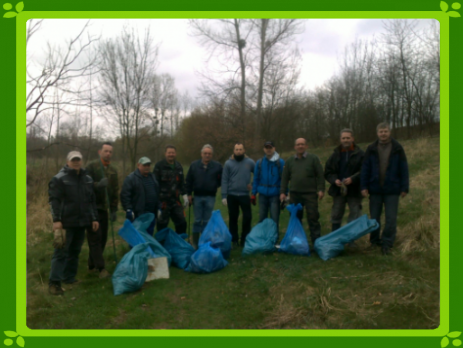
(397, 177)
(72, 199)
(353, 169)
(236, 176)
(267, 176)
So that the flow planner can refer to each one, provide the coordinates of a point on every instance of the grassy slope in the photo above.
(360, 289)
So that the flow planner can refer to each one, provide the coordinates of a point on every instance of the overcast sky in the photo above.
(180, 55)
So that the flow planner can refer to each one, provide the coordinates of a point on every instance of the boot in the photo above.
(196, 239)
(104, 274)
(335, 227)
(55, 289)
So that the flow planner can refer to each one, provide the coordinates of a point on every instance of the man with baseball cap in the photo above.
(140, 192)
(73, 208)
(267, 183)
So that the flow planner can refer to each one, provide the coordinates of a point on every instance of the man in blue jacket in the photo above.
(203, 179)
(384, 177)
(267, 183)
(236, 184)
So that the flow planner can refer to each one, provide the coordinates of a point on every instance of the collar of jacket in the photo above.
(167, 164)
(73, 172)
(395, 146)
(138, 174)
(354, 148)
(303, 155)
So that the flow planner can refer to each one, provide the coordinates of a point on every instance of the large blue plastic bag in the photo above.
(295, 240)
(178, 248)
(262, 238)
(132, 270)
(206, 260)
(144, 221)
(332, 244)
(217, 233)
(133, 237)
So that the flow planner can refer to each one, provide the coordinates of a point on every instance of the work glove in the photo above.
(129, 215)
(159, 214)
(224, 202)
(253, 200)
(59, 240)
(113, 216)
(102, 183)
(186, 203)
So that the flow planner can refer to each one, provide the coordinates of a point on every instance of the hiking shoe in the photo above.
(104, 274)
(352, 245)
(91, 270)
(385, 250)
(373, 247)
(55, 289)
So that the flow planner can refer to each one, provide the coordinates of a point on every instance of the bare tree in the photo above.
(61, 65)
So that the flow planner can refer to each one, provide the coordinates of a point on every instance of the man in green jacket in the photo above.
(304, 172)
(104, 176)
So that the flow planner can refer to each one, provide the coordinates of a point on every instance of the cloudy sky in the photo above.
(180, 55)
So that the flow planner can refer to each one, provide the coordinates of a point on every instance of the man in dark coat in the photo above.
(106, 187)
(73, 208)
(140, 193)
(169, 174)
(342, 171)
(384, 177)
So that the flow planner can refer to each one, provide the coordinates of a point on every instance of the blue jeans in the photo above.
(271, 203)
(203, 206)
(65, 262)
(391, 207)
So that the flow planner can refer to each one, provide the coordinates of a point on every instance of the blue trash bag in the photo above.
(177, 247)
(332, 244)
(132, 236)
(144, 221)
(131, 272)
(135, 237)
(262, 238)
(217, 233)
(206, 260)
(295, 240)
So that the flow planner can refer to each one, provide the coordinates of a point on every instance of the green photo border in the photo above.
(15, 294)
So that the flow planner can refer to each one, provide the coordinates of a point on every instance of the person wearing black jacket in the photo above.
(342, 171)
(384, 177)
(203, 179)
(140, 193)
(73, 208)
(169, 174)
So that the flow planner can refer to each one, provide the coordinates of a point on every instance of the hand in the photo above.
(282, 197)
(338, 182)
(347, 181)
(102, 183)
(113, 216)
(129, 215)
(224, 202)
(320, 195)
(95, 226)
(403, 194)
(186, 202)
(57, 225)
(253, 200)
(190, 199)
(365, 193)
(249, 187)
(59, 240)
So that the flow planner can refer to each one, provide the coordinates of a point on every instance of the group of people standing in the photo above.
(87, 199)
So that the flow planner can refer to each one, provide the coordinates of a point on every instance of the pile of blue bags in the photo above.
(262, 238)
(214, 247)
(295, 241)
(333, 243)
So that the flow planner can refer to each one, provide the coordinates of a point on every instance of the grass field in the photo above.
(360, 289)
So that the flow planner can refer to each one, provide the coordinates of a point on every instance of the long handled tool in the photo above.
(109, 215)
